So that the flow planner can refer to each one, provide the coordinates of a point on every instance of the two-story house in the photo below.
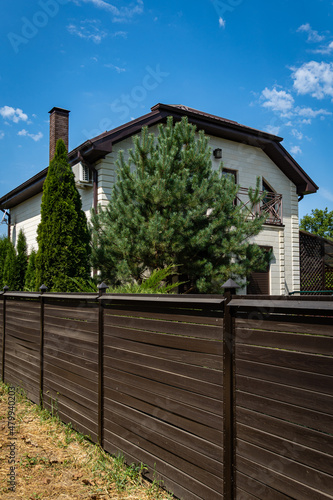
(246, 153)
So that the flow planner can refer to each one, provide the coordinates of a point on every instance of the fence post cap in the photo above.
(102, 288)
(230, 284)
(43, 288)
(5, 289)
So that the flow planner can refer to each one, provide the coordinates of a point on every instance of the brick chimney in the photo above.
(58, 128)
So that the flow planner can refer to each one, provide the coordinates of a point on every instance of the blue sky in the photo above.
(267, 65)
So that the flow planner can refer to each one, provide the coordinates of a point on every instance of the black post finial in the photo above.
(102, 288)
(230, 286)
(5, 289)
(43, 288)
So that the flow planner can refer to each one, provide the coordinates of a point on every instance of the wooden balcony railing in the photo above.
(271, 204)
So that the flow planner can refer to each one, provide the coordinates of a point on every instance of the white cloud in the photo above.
(2, 134)
(271, 129)
(221, 22)
(327, 49)
(313, 36)
(35, 137)
(88, 30)
(121, 14)
(116, 68)
(311, 113)
(15, 115)
(295, 150)
(297, 134)
(277, 100)
(122, 34)
(314, 78)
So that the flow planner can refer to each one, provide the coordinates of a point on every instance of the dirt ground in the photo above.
(40, 458)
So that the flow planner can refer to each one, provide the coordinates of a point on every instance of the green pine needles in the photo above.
(62, 236)
(168, 207)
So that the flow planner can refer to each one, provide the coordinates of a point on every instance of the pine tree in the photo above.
(30, 275)
(63, 237)
(9, 277)
(22, 260)
(167, 207)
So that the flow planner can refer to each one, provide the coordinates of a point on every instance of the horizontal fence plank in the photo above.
(70, 324)
(309, 418)
(288, 449)
(56, 371)
(250, 489)
(153, 311)
(79, 364)
(23, 331)
(302, 435)
(23, 368)
(286, 359)
(287, 376)
(164, 396)
(173, 379)
(160, 339)
(181, 355)
(199, 446)
(288, 394)
(70, 333)
(158, 386)
(283, 305)
(79, 348)
(297, 342)
(306, 475)
(70, 416)
(286, 323)
(273, 476)
(78, 313)
(182, 485)
(63, 384)
(176, 328)
(69, 365)
(177, 455)
(88, 412)
(144, 358)
(183, 416)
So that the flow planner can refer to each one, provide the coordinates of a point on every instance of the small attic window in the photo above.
(266, 187)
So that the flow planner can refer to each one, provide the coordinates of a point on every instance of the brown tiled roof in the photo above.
(99, 146)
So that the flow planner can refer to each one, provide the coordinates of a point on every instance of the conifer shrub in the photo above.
(63, 237)
(169, 207)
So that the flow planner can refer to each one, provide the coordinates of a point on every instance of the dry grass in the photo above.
(52, 461)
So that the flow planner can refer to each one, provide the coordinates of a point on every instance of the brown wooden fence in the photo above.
(223, 399)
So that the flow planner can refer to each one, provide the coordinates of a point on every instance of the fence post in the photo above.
(43, 289)
(101, 290)
(5, 289)
(228, 392)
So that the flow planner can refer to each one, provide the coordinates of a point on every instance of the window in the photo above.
(228, 171)
(259, 282)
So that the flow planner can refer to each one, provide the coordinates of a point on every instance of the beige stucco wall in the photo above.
(249, 162)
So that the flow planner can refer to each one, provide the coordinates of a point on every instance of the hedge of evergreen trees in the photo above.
(17, 269)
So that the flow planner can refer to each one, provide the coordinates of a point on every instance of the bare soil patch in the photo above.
(52, 461)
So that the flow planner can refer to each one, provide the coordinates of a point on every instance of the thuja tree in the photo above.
(62, 235)
(30, 276)
(21, 260)
(9, 277)
(4, 243)
(169, 206)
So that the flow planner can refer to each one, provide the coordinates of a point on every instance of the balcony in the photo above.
(271, 205)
